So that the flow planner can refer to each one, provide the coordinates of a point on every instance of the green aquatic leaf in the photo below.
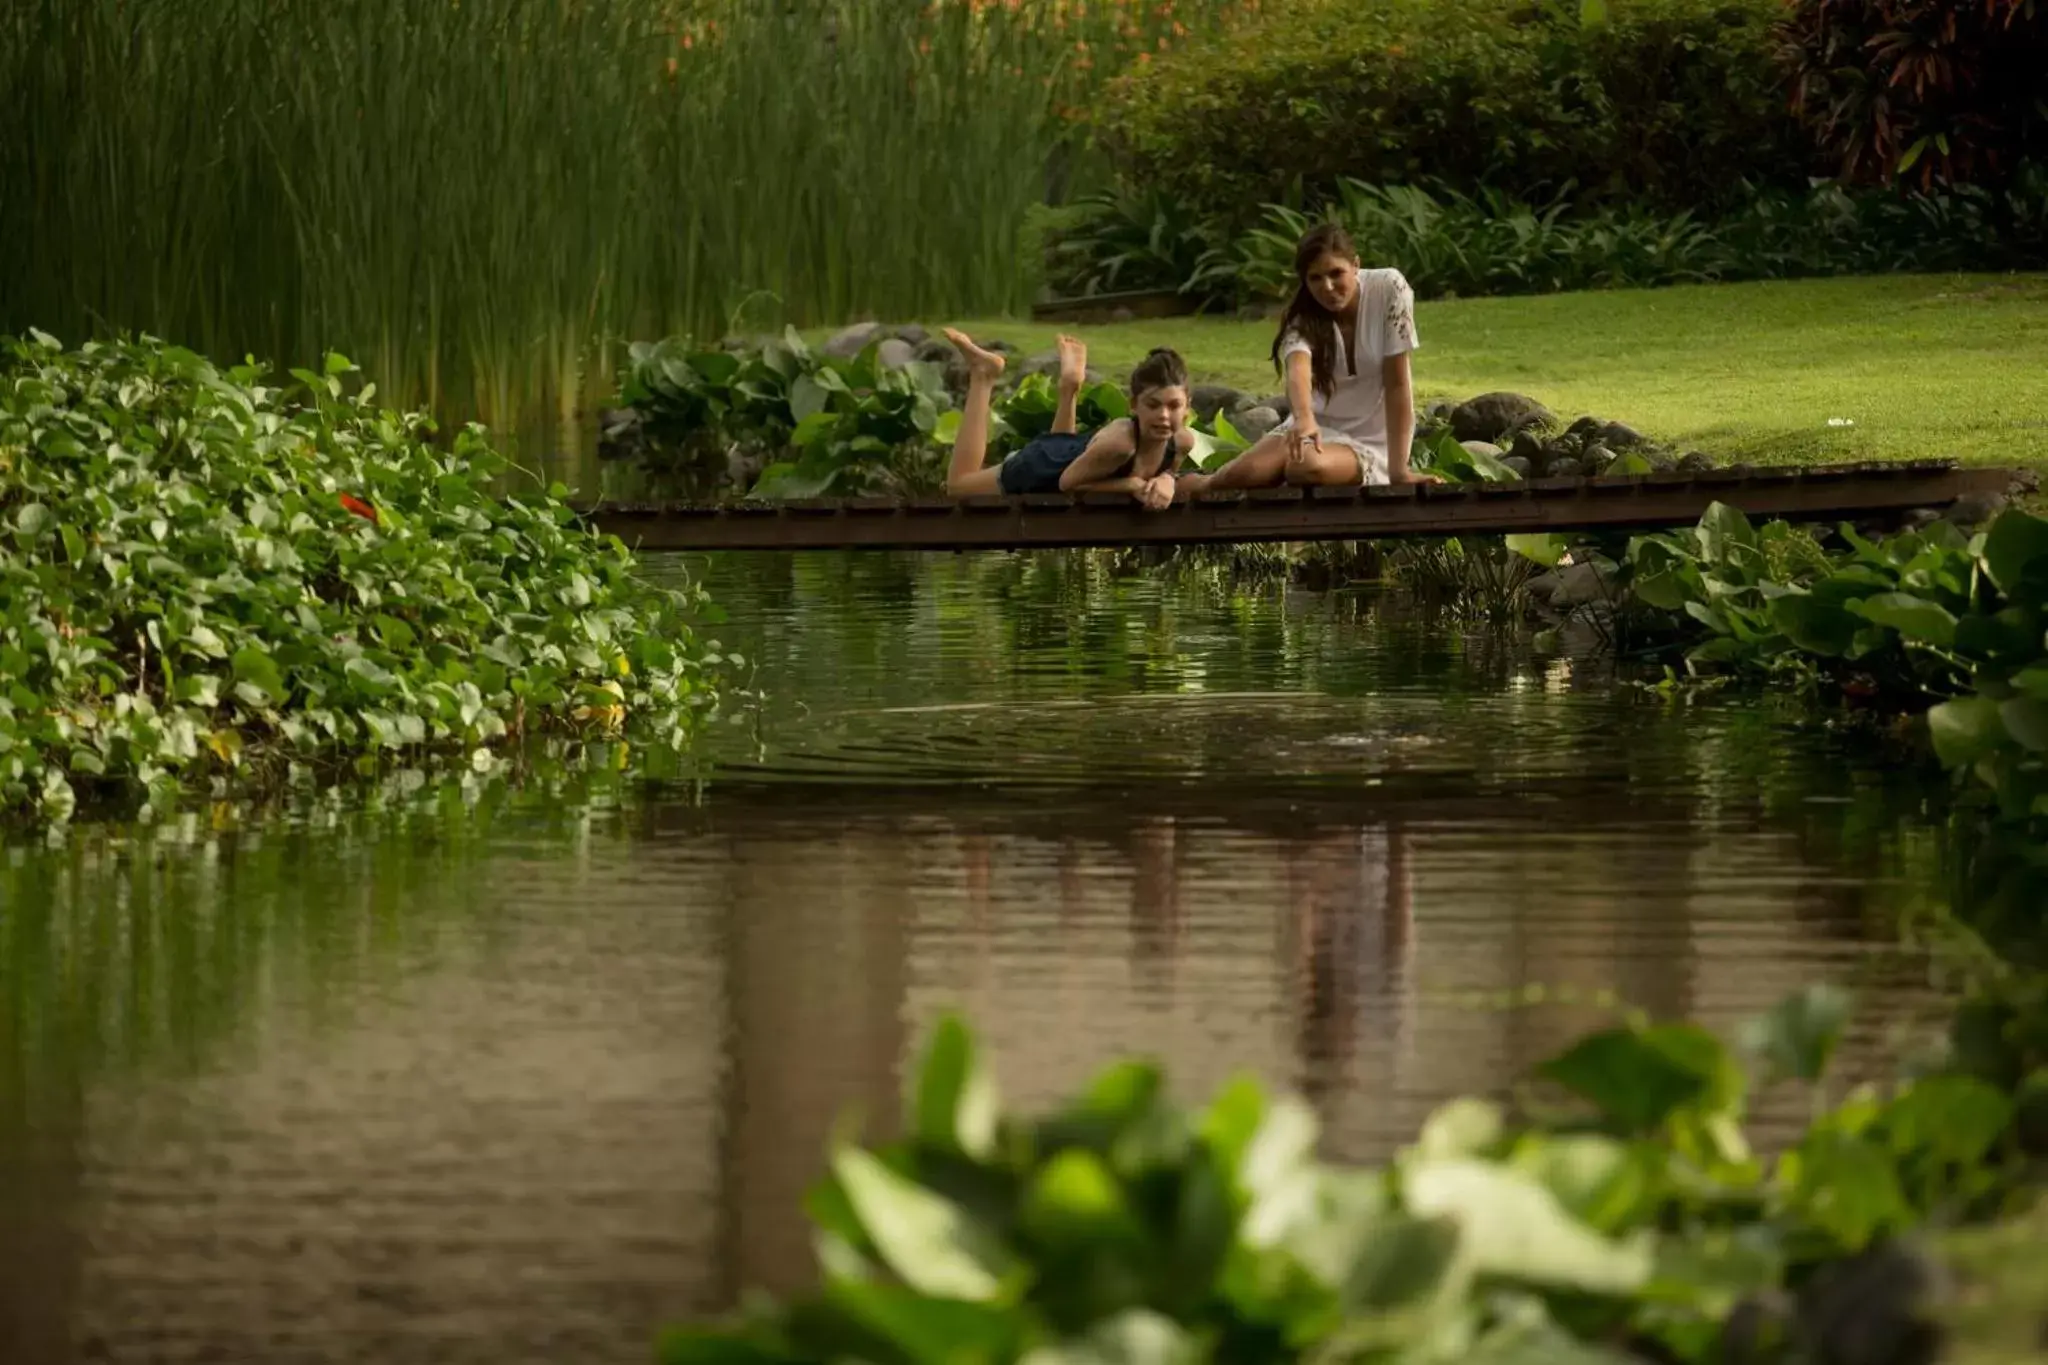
(1814, 625)
(956, 1106)
(2015, 551)
(1915, 618)
(1965, 730)
(1512, 1227)
(928, 1241)
(1541, 548)
(1627, 1077)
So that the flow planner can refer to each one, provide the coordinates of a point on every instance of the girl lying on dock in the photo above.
(1138, 457)
(1343, 346)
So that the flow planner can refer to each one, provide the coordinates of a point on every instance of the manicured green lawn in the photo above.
(1925, 366)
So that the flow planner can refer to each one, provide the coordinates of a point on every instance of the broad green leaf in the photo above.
(395, 633)
(1461, 1127)
(1957, 1119)
(1626, 1077)
(1847, 1186)
(1916, 618)
(1544, 549)
(31, 519)
(1727, 540)
(1965, 730)
(1797, 1037)
(2026, 720)
(807, 399)
(2016, 548)
(252, 665)
(1631, 463)
(1136, 1336)
(1511, 1226)
(717, 368)
(1814, 625)
(929, 1241)
(1597, 1180)
(956, 1108)
(1075, 1202)
(925, 1329)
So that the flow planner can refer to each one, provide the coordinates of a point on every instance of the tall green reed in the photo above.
(478, 202)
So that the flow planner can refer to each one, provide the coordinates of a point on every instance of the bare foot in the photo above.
(980, 364)
(1073, 354)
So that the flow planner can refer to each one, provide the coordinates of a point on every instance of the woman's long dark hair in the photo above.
(1315, 323)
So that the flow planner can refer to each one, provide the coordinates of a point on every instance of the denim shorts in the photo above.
(1038, 466)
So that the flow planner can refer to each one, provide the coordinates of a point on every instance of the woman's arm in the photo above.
(1301, 398)
(1398, 383)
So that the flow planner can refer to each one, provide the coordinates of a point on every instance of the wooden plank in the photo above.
(1285, 514)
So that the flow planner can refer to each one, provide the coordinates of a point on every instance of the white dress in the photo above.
(1355, 413)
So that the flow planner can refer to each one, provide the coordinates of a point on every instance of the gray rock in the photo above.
(1575, 584)
(912, 333)
(1206, 400)
(1972, 510)
(1530, 447)
(1584, 426)
(1252, 423)
(895, 353)
(1042, 362)
(1694, 462)
(1877, 1308)
(1278, 403)
(1495, 417)
(1596, 459)
(1565, 467)
(936, 351)
(1519, 465)
(1660, 460)
(1621, 436)
(1440, 410)
(1481, 448)
(849, 342)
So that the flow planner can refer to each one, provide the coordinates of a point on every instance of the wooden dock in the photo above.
(1822, 493)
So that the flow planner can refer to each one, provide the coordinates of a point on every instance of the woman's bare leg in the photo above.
(1322, 465)
(966, 477)
(1073, 373)
(1263, 464)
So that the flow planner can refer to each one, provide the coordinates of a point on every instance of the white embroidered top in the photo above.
(1357, 405)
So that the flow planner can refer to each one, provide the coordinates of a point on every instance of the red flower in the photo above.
(356, 505)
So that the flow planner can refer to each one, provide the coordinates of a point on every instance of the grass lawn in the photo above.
(1925, 366)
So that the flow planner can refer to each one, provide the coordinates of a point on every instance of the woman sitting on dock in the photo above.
(1343, 348)
(1138, 457)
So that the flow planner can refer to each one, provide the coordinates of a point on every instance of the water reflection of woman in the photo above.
(1351, 899)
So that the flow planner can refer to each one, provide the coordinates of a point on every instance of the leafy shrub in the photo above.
(1122, 1227)
(1117, 241)
(834, 426)
(1670, 102)
(206, 575)
(1945, 91)
(1924, 617)
(1449, 243)
(846, 424)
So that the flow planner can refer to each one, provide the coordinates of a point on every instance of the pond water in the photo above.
(518, 1070)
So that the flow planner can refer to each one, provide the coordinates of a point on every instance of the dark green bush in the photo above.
(1672, 103)
(1449, 243)
(1936, 90)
